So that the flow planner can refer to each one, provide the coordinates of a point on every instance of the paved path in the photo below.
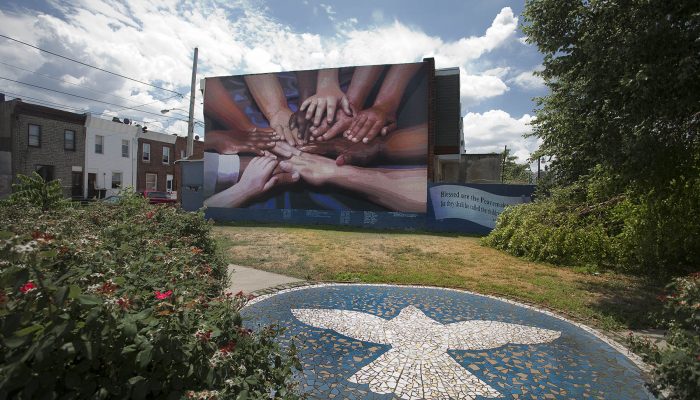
(251, 280)
(358, 341)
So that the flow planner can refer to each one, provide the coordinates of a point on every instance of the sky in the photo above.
(153, 41)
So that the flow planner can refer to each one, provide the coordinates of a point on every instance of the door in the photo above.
(77, 185)
(92, 181)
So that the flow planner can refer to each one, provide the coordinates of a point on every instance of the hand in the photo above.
(326, 100)
(330, 148)
(283, 149)
(314, 169)
(345, 152)
(279, 121)
(255, 140)
(370, 122)
(327, 130)
(299, 122)
(360, 154)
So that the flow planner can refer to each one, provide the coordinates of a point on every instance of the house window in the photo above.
(166, 155)
(116, 180)
(125, 148)
(34, 138)
(99, 143)
(146, 156)
(151, 181)
(169, 183)
(69, 140)
(45, 171)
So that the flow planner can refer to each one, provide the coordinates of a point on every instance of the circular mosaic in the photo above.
(387, 342)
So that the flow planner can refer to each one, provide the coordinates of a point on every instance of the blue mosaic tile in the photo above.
(387, 342)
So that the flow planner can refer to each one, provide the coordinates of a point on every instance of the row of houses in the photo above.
(92, 157)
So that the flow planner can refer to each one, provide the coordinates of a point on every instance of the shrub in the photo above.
(656, 232)
(125, 301)
(677, 366)
(554, 231)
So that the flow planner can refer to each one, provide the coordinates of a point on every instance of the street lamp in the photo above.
(167, 110)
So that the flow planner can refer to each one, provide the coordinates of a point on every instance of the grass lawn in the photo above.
(608, 301)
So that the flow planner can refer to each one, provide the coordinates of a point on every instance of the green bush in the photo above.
(653, 233)
(125, 301)
(677, 366)
(554, 231)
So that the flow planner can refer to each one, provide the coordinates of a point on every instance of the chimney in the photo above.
(2, 97)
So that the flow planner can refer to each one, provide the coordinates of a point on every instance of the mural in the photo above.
(337, 140)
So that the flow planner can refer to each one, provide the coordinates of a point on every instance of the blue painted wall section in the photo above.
(384, 219)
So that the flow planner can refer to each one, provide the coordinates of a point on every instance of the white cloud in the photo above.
(488, 132)
(528, 80)
(153, 42)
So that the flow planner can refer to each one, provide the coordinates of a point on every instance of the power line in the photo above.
(82, 86)
(82, 97)
(70, 108)
(91, 66)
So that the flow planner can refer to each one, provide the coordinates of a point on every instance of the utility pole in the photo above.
(503, 164)
(190, 122)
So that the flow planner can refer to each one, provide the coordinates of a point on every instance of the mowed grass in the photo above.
(608, 301)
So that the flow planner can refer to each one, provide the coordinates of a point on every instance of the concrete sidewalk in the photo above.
(251, 280)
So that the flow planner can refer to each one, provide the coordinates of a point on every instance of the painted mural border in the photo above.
(635, 359)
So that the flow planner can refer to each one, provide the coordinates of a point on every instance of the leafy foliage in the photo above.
(32, 190)
(514, 172)
(677, 366)
(624, 88)
(125, 301)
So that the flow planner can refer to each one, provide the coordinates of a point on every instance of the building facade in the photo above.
(110, 157)
(156, 162)
(41, 139)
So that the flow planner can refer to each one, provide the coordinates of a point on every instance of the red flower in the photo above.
(150, 214)
(163, 296)
(27, 287)
(124, 303)
(228, 347)
(42, 236)
(107, 288)
(196, 250)
(203, 336)
(240, 294)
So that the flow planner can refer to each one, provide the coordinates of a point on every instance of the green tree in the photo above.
(624, 87)
(512, 171)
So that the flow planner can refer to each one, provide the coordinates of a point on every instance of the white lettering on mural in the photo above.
(478, 206)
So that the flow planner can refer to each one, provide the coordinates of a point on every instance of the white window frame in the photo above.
(125, 143)
(121, 179)
(155, 181)
(146, 152)
(99, 141)
(166, 155)
(169, 182)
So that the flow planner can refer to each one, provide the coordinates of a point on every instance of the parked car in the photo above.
(155, 197)
(115, 199)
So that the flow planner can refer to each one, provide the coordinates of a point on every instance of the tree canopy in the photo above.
(624, 77)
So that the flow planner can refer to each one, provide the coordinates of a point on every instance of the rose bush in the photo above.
(125, 301)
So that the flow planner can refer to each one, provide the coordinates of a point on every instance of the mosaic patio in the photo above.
(387, 342)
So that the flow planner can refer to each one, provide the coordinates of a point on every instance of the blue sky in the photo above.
(153, 41)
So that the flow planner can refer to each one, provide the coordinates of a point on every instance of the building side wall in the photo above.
(6, 108)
